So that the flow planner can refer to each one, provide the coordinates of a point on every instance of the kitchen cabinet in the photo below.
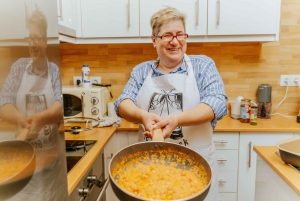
(246, 17)
(195, 10)
(110, 18)
(270, 186)
(69, 17)
(128, 21)
(248, 158)
(118, 141)
(227, 145)
(13, 15)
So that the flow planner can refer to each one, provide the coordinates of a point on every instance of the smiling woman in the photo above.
(184, 95)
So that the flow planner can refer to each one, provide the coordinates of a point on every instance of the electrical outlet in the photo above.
(293, 80)
(75, 78)
(94, 79)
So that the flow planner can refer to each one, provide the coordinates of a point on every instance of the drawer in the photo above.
(227, 160)
(227, 182)
(226, 140)
(227, 196)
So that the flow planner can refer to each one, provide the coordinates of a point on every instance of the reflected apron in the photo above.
(173, 93)
(49, 182)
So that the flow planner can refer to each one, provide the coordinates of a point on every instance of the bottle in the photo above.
(245, 110)
(253, 115)
(86, 82)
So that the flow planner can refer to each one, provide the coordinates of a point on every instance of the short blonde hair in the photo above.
(39, 19)
(164, 16)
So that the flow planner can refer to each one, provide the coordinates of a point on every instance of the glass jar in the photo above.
(253, 115)
(245, 110)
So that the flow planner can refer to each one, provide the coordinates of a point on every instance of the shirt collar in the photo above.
(181, 68)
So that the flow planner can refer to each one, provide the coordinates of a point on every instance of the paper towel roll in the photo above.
(111, 110)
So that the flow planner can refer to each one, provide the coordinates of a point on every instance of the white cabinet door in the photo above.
(247, 160)
(110, 18)
(243, 17)
(14, 15)
(195, 11)
(270, 186)
(69, 17)
(49, 8)
(13, 19)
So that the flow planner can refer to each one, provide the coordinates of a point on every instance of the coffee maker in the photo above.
(264, 101)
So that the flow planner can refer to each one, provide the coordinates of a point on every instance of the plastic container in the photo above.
(86, 79)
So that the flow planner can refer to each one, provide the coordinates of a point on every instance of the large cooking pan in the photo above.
(289, 150)
(165, 151)
(17, 161)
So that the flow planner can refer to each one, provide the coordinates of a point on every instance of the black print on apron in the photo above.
(167, 103)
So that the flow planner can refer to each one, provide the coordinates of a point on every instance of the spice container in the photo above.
(245, 110)
(253, 115)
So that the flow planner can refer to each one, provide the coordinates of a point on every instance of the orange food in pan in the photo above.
(160, 178)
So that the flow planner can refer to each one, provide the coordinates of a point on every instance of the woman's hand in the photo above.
(149, 120)
(168, 125)
(36, 122)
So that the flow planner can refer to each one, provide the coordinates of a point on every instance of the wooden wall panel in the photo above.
(242, 65)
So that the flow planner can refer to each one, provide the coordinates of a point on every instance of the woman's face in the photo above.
(170, 52)
(37, 43)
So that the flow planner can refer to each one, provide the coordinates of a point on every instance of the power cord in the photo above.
(286, 80)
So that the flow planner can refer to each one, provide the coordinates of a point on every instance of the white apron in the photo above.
(173, 93)
(49, 180)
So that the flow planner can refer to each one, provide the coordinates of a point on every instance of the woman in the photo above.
(183, 95)
(31, 99)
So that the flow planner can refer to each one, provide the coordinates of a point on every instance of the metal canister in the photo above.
(245, 110)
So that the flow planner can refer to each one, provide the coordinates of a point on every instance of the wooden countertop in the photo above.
(287, 173)
(102, 135)
(228, 124)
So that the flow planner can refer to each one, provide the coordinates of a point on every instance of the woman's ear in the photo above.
(153, 40)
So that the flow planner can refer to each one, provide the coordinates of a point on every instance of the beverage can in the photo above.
(86, 79)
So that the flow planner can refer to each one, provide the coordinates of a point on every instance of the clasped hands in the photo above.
(152, 121)
(29, 127)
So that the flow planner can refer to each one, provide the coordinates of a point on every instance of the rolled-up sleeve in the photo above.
(211, 88)
(134, 84)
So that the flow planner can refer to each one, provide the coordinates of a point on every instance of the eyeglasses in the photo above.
(170, 37)
(33, 39)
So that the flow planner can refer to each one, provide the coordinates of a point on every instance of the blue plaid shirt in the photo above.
(210, 84)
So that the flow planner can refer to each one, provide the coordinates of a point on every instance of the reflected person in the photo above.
(31, 99)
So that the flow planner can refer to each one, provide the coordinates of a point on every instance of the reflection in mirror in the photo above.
(31, 100)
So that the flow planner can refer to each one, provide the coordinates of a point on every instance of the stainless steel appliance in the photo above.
(92, 186)
(88, 102)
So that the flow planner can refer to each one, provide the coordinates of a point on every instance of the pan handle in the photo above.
(157, 135)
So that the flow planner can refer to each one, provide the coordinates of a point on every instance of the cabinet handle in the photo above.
(60, 11)
(110, 157)
(221, 160)
(218, 11)
(222, 181)
(82, 104)
(197, 13)
(128, 7)
(249, 147)
(220, 141)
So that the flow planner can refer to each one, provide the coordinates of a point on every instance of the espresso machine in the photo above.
(264, 101)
